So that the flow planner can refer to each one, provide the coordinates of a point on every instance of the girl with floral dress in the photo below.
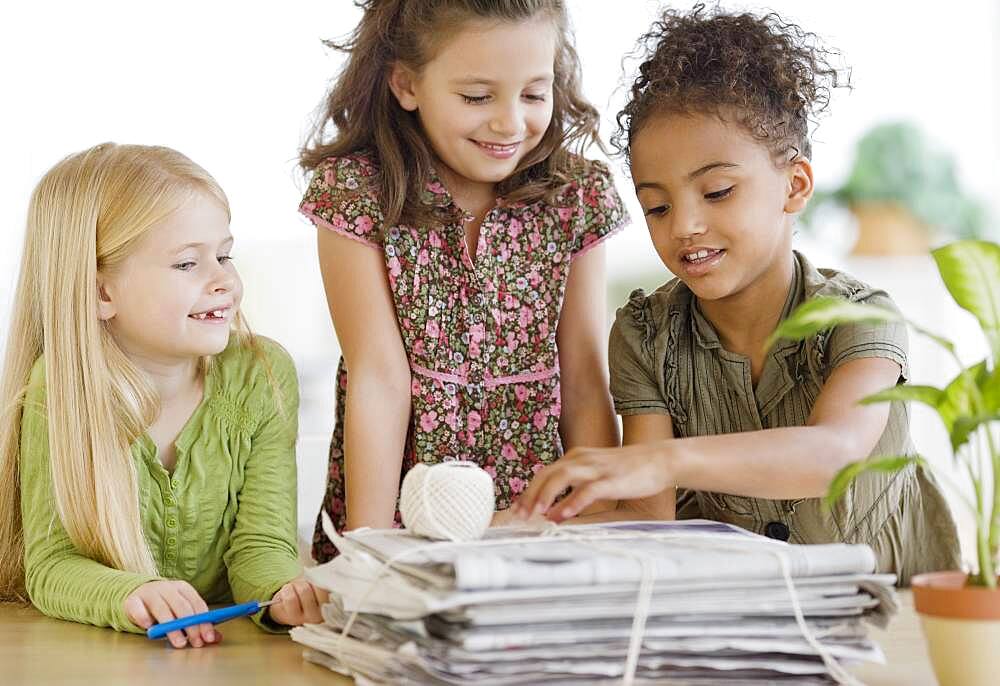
(460, 245)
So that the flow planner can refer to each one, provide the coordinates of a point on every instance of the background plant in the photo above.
(895, 163)
(968, 406)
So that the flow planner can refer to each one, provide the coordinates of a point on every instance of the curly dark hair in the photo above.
(769, 76)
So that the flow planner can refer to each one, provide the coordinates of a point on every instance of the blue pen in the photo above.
(223, 614)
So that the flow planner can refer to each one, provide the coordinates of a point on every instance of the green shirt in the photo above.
(224, 520)
(666, 358)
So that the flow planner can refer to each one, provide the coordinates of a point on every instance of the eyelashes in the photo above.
(482, 99)
(719, 195)
(188, 265)
(715, 196)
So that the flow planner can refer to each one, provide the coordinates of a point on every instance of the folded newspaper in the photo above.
(687, 602)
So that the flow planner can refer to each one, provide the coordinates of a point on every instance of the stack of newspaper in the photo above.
(689, 602)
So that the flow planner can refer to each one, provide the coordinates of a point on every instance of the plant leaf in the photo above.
(846, 476)
(971, 271)
(990, 389)
(820, 314)
(965, 426)
(959, 411)
(955, 404)
(928, 395)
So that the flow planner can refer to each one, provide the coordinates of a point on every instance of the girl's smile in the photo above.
(219, 315)
(718, 207)
(500, 151)
(699, 261)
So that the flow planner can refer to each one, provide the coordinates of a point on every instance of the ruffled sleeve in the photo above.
(635, 388)
(861, 339)
(601, 212)
(342, 197)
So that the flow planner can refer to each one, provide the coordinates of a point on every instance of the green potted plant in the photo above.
(960, 612)
(901, 190)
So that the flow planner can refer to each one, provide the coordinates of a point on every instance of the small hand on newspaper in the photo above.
(593, 474)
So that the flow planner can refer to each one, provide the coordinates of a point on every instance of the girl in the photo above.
(154, 450)
(458, 241)
(716, 132)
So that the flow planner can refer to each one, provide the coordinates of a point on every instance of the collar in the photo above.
(435, 194)
(805, 278)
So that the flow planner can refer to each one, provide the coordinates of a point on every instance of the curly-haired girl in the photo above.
(716, 132)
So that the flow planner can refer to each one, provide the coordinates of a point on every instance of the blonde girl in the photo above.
(147, 439)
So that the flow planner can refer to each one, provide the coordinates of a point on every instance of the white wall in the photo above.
(233, 86)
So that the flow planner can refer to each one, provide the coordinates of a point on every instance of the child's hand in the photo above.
(298, 603)
(511, 517)
(594, 474)
(505, 518)
(156, 602)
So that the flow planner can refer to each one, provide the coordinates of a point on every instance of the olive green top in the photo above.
(666, 358)
(224, 520)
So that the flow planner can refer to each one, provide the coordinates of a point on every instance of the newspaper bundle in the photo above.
(689, 602)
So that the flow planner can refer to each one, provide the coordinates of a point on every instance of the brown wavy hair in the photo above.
(366, 118)
(770, 76)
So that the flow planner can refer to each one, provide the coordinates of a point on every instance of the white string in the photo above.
(598, 540)
(451, 500)
(644, 598)
(841, 675)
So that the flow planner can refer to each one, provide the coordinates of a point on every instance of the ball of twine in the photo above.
(450, 501)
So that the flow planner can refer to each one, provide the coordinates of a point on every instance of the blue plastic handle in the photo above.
(223, 614)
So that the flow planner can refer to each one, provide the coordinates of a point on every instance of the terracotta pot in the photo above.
(889, 229)
(961, 626)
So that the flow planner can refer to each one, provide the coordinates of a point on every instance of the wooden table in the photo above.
(37, 650)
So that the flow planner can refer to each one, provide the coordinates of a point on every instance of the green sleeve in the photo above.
(60, 581)
(263, 551)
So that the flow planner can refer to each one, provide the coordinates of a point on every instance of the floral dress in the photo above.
(480, 335)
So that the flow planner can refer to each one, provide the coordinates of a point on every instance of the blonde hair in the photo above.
(86, 215)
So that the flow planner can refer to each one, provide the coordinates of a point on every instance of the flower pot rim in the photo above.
(945, 594)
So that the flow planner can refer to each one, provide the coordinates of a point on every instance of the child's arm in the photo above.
(639, 429)
(262, 556)
(60, 581)
(378, 373)
(587, 418)
(785, 463)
